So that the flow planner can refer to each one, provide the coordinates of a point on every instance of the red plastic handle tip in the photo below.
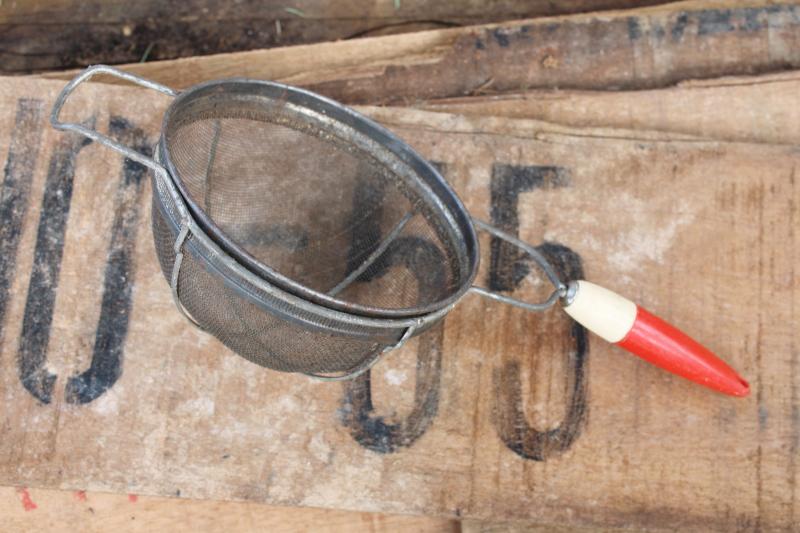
(665, 346)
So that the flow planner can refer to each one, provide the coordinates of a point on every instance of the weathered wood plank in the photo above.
(55, 511)
(635, 49)
(475, 526)
(57, 34)
(747, 109)
(516, 416)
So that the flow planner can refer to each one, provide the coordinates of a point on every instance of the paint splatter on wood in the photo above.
(25, 499)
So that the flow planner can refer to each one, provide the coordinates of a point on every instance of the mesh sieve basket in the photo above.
(301, 234)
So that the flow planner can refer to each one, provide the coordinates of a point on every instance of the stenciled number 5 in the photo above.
(507, 269)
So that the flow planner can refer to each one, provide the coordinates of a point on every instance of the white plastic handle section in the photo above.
(602, 311)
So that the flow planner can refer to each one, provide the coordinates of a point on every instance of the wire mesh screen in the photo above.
(309, 205)
(264, 336)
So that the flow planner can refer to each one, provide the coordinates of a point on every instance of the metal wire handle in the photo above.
(540, 260)
(128, 152)
(94, 134)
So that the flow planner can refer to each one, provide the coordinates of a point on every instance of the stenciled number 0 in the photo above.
(112, 328)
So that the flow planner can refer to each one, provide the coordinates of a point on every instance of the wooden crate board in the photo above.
(54, 34)
(56, 511)
(629, 49)
(741, 108)
(477, 526)
(514, 416)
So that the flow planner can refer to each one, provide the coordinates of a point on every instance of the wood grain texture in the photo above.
(476, 526)
(634, 49)
(56, 511)
(526, 418)
(57, 34)
(747, 108)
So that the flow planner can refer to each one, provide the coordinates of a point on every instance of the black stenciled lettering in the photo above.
(508, 266)
(510, 420)
(373, 431)
(38, 315)
(16, 190)
(112, 328)
(507, 269)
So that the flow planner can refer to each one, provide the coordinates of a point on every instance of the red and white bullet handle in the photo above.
(622, 322)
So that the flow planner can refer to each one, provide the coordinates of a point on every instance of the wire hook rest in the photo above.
(94, 134)
(561, 290)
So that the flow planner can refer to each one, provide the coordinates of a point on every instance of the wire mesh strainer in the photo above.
(304, 236)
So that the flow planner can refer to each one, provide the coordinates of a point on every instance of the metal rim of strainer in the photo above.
(367, 135)
(175, 211)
